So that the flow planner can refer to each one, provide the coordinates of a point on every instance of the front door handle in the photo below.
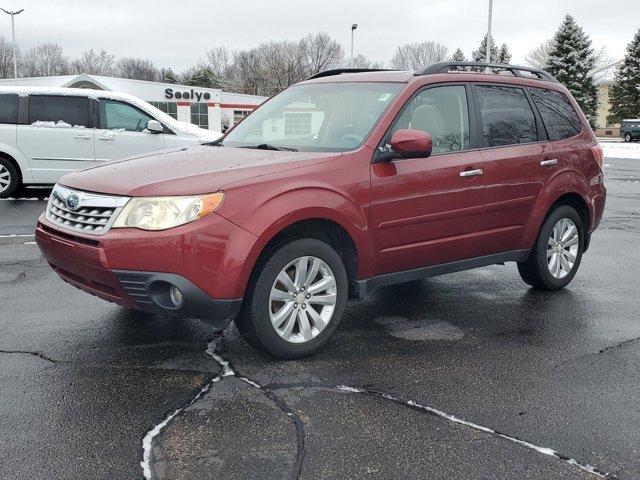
(471, 173)
(551, 161)
(106, 138)
(84, 137)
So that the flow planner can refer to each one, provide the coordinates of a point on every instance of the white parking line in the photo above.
(17, 235)
(24, 199)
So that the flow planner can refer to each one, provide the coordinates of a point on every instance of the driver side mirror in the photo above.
(154, 126)
(407, 143)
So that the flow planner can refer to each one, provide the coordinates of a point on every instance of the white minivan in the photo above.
(48, 132)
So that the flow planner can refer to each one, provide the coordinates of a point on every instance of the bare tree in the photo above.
(320, 52)
(45, 60)
(416, 55)
(360, 61)
(280, 65)
(94, 63)
(539, 58)
(220, 59)
(137, 69)
(6, 58)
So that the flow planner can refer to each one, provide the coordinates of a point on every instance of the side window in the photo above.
(61, 110)
(507, 118)
(122, 116)
(443, 113)
(9, 108)
(559, 117)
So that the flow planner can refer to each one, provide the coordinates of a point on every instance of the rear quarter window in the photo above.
(47, 108)
(9, 108)
(558, 115)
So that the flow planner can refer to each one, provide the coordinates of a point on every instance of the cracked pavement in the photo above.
(82, 382)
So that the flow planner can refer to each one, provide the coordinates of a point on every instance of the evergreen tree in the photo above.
(504, 56)
(169, 76)
(624, 94)
(201, 76)
(480, 54)
(571, 60)
(458, 56)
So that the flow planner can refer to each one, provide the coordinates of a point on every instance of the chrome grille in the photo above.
(83, 212)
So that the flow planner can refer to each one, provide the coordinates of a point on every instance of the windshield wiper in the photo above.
(268, 146)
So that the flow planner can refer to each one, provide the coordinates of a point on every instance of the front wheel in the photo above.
(557, 253)
(296, 299)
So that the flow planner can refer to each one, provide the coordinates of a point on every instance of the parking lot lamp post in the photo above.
(13, 33)
(353, 29)
(488, 46)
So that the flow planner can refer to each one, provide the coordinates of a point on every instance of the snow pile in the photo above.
(621, 150)
(58, 124)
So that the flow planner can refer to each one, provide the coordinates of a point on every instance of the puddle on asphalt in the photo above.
(406, 329)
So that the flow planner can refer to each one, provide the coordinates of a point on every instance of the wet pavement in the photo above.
(471, 375)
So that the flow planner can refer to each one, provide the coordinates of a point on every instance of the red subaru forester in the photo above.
(345, 182)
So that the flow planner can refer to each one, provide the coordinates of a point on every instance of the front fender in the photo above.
(285, 208)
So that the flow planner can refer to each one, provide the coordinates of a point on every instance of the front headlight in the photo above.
(161, 213)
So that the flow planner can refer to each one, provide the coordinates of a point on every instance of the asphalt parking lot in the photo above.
(471, 375)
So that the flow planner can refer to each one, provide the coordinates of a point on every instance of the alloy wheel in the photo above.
(303, 299)
(562, 248)
(5, 178)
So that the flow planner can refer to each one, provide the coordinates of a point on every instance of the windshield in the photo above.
(315, 117)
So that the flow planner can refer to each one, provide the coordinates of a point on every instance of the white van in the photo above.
(48, 132)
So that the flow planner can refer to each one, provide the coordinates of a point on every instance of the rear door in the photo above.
(516, 161)
(58, 137)
(122, 131)
(427, 211)
(8, 121)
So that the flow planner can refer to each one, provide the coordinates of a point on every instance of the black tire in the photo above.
(7, 167)
(535, 271)
(628, 137)
(254, 322)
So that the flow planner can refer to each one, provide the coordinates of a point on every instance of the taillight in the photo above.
(598, 155)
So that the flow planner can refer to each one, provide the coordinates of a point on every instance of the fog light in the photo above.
(176, 296)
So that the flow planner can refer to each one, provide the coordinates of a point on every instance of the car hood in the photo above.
(187, 171)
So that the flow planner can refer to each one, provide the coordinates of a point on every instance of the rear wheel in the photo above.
(9, 178)
(557, 253)
(296, 299)
(627, 137)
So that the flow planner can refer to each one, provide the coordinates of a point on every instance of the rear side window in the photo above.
(119, 115)
(9, 108)
(559, 117)
(442, 112)
(73, 111)
(507, 117)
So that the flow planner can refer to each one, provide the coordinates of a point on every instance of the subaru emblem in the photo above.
(72, 201)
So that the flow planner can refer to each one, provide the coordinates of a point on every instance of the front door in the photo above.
(428, 211)
(59, 137)
(123, 132)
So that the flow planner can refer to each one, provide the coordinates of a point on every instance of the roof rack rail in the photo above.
(446, 67)
(339, 71)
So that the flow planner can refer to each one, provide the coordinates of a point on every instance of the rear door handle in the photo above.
(471, 173)
(106, 138)
(551, 161)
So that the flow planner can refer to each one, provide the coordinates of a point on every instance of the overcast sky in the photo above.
(177, 33)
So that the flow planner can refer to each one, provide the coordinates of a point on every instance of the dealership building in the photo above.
(205, 107)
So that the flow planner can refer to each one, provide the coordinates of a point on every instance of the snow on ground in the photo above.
(621, 150)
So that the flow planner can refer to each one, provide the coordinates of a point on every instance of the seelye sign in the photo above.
(186, 95)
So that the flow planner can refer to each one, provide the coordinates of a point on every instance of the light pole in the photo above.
(353, 29)
(13, 33)
(487, 57)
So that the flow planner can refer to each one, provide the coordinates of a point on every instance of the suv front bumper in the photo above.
(84, 263)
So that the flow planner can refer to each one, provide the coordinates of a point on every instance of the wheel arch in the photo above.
(329, 230)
